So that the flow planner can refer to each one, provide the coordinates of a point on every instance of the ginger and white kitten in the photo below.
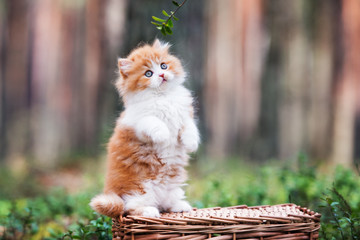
(149, 148)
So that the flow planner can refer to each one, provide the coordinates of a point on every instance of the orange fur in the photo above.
(130, 162)
(108, 204)
(133, 79)
(133, 162)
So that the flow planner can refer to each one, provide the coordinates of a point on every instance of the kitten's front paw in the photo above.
(191, 143)
(152, 212)
(181, 206)
(159, 135)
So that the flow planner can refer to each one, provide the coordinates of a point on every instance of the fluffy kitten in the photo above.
(149, 148)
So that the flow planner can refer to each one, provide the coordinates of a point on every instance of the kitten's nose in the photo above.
(161, 75)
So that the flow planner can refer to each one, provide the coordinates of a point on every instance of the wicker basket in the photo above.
(285, 221)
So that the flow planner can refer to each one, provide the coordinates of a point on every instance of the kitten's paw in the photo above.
(181, 206)
(191, 143)
(160, 135)
(150, 212)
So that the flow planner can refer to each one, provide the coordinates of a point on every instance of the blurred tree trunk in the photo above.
(15, 84)
(233, 72)
(323, 35)
(94, 65)
(2, 80)
(51, 129)
(72, 72)
(71, 93)
(347, 86)
(297, 81)
(294, 80)
(51, 103)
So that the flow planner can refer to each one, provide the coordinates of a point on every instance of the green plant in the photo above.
(58, 215)
(165, 25)
(99, 228)
(50, 217)
(301, 182)
(343, 222)
(18, 224)
(298, 182)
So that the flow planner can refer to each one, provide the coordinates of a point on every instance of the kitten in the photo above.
(149, 148)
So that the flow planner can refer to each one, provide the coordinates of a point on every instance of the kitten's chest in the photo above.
(171, 110)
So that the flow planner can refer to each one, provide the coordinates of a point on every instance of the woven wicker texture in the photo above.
(285, 221)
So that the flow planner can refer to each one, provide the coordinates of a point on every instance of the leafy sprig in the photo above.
(166, 25)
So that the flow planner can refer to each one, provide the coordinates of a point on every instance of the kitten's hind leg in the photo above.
(145, 212)
(141, 205)
(181, 206)
(175, 201)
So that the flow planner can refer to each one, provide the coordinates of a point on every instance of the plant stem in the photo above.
(173, 13)
(346, 211)
(336, 221)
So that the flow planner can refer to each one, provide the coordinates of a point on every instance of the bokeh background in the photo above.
(273, 80)
(271, 77)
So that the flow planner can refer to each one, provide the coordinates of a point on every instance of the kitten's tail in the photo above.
(109, 204)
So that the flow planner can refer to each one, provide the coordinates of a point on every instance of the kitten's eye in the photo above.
(148, 73)
(163, 66)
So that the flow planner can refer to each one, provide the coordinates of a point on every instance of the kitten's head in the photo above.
(150, 67)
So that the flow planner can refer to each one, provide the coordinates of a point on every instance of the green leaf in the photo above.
(170, 23)
(155, 23)
(165, 13)
(158, 19)
(176, 3)
(329, 200)
(175, 18)
(168, 30)
(163, 30)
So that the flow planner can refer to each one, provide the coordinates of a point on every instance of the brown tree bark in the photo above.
(232, 74)
(49, 116)
(15, 91)
(2, 81)
(294, 82)
(300, 65)
(70, 66)
(347, 86)
(93, 59)
(319, 111)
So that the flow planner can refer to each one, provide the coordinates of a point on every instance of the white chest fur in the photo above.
(172, 108)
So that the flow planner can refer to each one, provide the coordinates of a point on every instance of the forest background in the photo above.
(275, 81)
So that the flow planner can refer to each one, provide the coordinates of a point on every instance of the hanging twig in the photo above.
(165, 25)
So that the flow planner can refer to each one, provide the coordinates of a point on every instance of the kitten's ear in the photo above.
(161, 45)
(124, 65)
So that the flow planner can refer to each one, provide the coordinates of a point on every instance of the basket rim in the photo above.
(303, 225)
(304, 215)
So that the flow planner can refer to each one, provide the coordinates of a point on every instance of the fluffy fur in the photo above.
(149, 148)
